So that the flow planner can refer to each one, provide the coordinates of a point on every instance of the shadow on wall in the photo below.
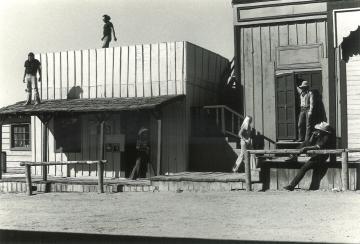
(75, 92)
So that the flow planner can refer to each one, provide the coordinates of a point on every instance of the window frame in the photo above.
(14, 148)
(57, 149)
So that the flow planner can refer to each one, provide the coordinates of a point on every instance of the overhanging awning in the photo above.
(351, 45)
(88, 105)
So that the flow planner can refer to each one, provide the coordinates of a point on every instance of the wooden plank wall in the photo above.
(174, 134)
(12, 157)
(204, 73)
(257, 49)
(128, 71)
(89, 149)
(278, 178)
(353, 101)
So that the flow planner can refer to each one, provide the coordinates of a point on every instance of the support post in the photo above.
(345, 171)
(247, 172)
(158, 154)
(28, 179)
(100, 167)
(44, 148)
(101, 156)
(223, 120)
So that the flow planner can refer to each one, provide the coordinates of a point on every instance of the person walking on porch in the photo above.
(323, 137)
(306, 109)
(143, 151)
(107, 29)
(32, 66)
(245, 141)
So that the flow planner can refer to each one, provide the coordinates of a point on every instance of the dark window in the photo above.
(20, 137)
(67, 134)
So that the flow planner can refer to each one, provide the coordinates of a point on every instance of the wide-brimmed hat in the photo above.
(305, 83)
(323, 126)
(107, 17)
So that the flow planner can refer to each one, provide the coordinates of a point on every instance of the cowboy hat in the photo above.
(323, 126)
(305, 83)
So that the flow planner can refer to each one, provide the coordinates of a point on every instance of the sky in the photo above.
(47, 26)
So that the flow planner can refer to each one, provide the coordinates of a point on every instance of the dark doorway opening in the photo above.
(288, 102)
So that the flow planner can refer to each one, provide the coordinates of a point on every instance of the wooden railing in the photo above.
(343, 152)
(228, 119)
(27, 164)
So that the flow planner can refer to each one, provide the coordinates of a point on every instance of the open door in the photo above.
(285, 107)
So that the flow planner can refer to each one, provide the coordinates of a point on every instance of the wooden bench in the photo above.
(27, 164)
(286, 152)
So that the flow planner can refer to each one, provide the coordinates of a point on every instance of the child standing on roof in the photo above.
(108, 27)
(245, 141)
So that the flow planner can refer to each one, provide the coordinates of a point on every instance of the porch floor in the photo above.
(202, 177)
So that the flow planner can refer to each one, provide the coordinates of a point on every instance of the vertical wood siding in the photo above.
(12, 157)
(129, 71)
(353, 101)
(257, 50)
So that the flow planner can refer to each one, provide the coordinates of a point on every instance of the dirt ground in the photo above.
(282, 216)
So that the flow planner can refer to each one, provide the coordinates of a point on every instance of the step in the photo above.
(193, 186)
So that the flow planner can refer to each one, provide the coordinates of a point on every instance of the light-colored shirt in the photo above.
(305, 99)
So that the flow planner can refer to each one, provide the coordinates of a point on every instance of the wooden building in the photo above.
(107, 94)
(280, 42)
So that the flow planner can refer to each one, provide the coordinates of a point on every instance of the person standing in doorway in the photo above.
(32, 67)
(143, 151)
(245, 141)
(107, 29)
(306, 109)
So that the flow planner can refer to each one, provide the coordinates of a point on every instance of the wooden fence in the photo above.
(100, 165)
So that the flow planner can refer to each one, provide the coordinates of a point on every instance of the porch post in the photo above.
(101, 156)
(44, 149)
(158, 154)
(45, 118)
(247, 172)
(345, 171)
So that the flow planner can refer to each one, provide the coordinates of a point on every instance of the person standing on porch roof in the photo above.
(32, 66)
(245, 141)
(306, 109)
(108, 27)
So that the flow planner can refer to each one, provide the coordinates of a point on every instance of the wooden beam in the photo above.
(247, 172)
(345, 171)
(28, 179)
(158, 156)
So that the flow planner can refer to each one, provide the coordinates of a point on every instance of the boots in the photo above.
(36, 97)
(28, 98)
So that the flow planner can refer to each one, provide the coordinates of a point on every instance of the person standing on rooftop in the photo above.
(108, 27)
(32, 67)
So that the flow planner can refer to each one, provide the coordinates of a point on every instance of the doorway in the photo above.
(288, 102)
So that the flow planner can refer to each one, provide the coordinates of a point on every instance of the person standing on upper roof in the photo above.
(108, 27)
(32, 66)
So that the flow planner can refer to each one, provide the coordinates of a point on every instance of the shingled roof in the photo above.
(88, 105)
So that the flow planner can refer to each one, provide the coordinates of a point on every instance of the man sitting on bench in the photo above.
(322, 138)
